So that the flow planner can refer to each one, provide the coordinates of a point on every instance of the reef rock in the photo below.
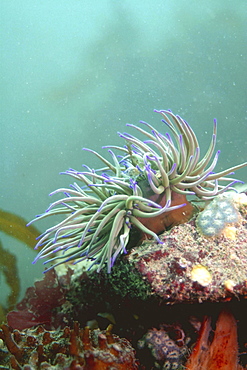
(189, 266)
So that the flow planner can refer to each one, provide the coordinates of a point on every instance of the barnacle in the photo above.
(148, 180)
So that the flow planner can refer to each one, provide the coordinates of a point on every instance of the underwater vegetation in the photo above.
(14, 226)
(8, 267)
(143, 188)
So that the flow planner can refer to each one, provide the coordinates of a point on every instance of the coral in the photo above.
(75, 348)
(167, 345)
(217, 215)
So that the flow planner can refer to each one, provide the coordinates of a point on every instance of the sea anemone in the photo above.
(149, 180)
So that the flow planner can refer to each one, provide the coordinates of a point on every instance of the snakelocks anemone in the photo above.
(143, 187)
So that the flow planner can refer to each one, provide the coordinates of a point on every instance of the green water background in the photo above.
(73, 73)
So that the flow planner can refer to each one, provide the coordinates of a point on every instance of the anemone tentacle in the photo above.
(103, 205)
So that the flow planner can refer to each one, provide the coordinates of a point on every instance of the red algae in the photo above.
(38, 303)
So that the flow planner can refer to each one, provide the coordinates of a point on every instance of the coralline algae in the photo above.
(217, 215)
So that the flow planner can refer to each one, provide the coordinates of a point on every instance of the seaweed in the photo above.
(15, 226)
